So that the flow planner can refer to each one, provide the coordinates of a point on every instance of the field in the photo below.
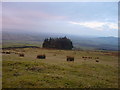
(56, 72)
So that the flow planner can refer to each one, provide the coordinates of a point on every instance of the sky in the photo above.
(74, 18)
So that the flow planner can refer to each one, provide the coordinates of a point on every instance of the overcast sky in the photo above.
(81, 18)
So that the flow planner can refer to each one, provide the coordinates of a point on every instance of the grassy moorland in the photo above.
(56, 72)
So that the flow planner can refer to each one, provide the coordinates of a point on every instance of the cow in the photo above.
(69, 58)
(54, 54)
(17, 53)
(83, 57)
(3, 52)
(21, 55)
(41, 56)
(86, 57)
(90, 57)
(96, 57)
(7, 52)
(97, 60)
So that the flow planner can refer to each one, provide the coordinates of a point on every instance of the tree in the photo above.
(58, 43)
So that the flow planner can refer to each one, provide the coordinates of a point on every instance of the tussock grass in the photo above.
(56, 72)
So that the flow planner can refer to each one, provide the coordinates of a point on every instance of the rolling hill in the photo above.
(80, 42)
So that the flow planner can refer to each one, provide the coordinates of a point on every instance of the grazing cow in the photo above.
(54, 54)
(69, 58)
(97, 60)
(16, 53)
(3, 52)
(21, 55)
(89, 57)
(7, 52)
(82, 57)
(41, 56)
(96, 57)
(85, 57)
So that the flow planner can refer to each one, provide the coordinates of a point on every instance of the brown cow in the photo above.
(41, 56)
(3, 52)
(69, 58)
(85, 57)
(21, 55)
(7, 52)
(96, 57)
(90, 57)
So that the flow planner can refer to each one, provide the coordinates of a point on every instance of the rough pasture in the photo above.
(56, 72)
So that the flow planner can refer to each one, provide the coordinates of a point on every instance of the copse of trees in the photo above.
(58, 43)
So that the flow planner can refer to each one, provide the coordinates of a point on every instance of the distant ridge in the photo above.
(21, 47)
(79, 42)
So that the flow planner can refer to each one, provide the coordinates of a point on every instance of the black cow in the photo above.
(69, 58)
(7, 52)
(41, 56)
(97, 60)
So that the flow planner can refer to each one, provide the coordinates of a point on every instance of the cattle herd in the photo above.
(96, 58)
(43, 56)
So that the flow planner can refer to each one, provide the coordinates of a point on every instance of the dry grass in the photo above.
(56, 72)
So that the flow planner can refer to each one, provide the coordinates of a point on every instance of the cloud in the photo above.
(97, 25)
(113, 26)
(31, 14)
(27, 19)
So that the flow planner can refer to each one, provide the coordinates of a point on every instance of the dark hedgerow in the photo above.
(58, 43)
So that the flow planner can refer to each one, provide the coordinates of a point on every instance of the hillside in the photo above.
(79, 42)
(56, 72)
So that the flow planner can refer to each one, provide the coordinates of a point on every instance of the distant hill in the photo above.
(99, 43)
(79, 42)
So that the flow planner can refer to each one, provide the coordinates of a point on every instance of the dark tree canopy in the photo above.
(58, 43)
